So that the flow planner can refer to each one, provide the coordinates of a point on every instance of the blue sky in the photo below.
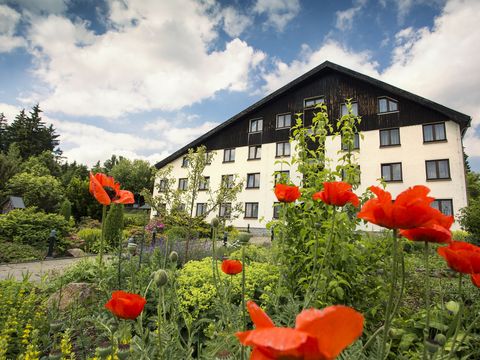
(143, 78)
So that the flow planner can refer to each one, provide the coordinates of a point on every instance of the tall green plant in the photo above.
(114, 225)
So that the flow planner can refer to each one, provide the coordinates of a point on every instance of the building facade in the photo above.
(406, 140)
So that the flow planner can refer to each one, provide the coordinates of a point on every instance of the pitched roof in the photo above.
(16, 201)
(460, 118)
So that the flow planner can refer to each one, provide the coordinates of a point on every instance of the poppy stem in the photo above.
(388, 318)
(459, 321)
(426, 330)
(244, 320)
(102, 237)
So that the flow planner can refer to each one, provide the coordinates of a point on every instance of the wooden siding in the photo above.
(335, 87)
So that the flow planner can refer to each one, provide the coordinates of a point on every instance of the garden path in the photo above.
(36, 269)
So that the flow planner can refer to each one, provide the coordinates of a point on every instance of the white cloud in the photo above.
(440, 64)
(10, 111)
(155, 55)
(345, 17)
(9, 20)
(404, 7)
(278, 12)
(235, 23)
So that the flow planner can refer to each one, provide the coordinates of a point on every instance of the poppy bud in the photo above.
(160, 277)
(104, 349)
(244, 238)
(173, 257)
(123, 351)
(132, 248)
(215, 222)
(440, 339)
(453, 307)
(431, 346)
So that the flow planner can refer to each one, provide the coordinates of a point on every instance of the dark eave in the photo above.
(460, 118)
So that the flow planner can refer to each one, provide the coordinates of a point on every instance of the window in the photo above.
(182, 184)
(225, 210)
(392, 172)
(344, 109)
(208, 157)
(201, 209)
(276, 210)
(390, 137)
(254, 152)
(185, 162)
(443, 205)
(227, 181)
(163, 185)
(253, 181)
(356, 143)
(437, 169)
(283, 149)
(386, 105)
(284, 121)
(434, 132)
(313, 101)
(251, 210)
(282, 176)
(256, 125)
(204, 183)
(229, 155)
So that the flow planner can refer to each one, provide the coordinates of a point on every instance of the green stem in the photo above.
(457, 328)
(314, 268)
(214, 258)
(391, 295)
(244, 315)
(426, 330)
(324, 259)
(102, 237)
(119, 268)
(159, 320)
(374, 335)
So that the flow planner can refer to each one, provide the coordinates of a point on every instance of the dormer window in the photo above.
(311, 102)
(386, 105)
(256, 125)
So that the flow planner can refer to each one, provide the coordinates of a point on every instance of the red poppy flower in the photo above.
(106, 190)
(125, 305)
(337, 193)
(436, 231)
(461, 256)
(286, 193)
(411, 209)
(318, 334)
(475, 279)
(231, 267)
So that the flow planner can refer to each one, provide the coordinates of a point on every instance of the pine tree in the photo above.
(114, 225)
(3, 133)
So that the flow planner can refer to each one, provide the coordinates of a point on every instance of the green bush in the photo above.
(12, 252)
(197, 291)
(253, 253)
(135, 219)
(91, 239)
(31, 227)
(66, 209)
(114, 225)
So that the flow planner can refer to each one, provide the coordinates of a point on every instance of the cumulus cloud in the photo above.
(234, 22)
(10, 111)
(278, 12)
(155, 55)
(345, 17)
(9, 20)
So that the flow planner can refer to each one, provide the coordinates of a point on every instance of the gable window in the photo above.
(256, 125)
(227, 181)
(392, 172)
(283, 149)
(276, 210)
(251, 210)
(185, 162)
(386, 105)
(284, 121)
(443, 205)
(311, 102)
(356, 143)
(163, 185)
(254, 152)
(204, 183)
(229, 155)
(182, 184)
(253, 181)
(434, 132)
(438, 169)
(201, 209)
(344, 109)
(390, 137)
(225, 210)
(282, 176)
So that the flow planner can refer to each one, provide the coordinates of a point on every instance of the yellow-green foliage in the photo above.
(196, 290)
(21, 320)
(91, 237)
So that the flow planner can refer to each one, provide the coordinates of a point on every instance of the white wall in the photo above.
(412, 154)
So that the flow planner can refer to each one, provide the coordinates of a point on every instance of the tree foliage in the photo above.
(133, 175)
(470, 215)
(9, 165)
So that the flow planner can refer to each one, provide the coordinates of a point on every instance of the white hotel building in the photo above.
(407, 140)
